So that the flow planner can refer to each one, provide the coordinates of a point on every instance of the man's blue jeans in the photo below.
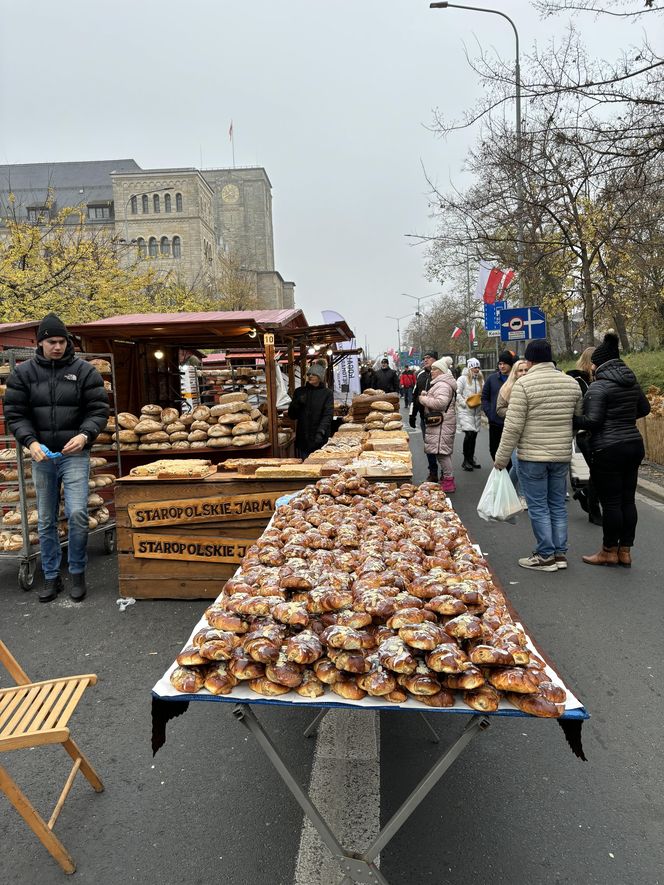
(543, 484)
(71, 472)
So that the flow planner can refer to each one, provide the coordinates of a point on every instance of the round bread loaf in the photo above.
(127, 436)
(220, 442)
(147, 425)
(152, 410)
(159, 436)
(181, 444)
(197, 436)
(218, 430)
(179, 435)
(169, 416)
(201, 413)
(382, 405)
(199, 424)
(187, 419)
(175, 427)
(126, 419)
(246, 427)
(232, 397)
(229, 408)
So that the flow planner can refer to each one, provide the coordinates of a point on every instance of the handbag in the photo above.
(474, 400)
(435, 420)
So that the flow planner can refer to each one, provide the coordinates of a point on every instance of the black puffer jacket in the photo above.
(387, 380)
(51, 401)
(610, 408)
(423, 383)
(312, 408)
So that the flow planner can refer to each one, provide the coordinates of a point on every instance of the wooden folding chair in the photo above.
(36, 713)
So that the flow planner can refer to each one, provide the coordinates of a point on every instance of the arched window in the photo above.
(177, 247)
(155, 202)
(142, 248)
(146, 206)
(164, 247)
(167, 202)
(134, 205)
(178, 202)
(152, 247)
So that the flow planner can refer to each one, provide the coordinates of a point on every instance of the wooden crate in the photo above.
(183, 523)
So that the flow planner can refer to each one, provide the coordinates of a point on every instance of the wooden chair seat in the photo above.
(36, 714)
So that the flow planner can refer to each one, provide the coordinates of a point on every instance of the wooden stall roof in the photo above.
(205, 328)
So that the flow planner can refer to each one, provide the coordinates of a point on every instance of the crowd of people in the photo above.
(537, 416)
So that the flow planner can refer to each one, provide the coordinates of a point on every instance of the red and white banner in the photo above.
(492, 282)
(456, 333)
(473, 335)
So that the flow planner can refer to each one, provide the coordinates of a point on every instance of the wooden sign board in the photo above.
(210, 509)
(190, 548)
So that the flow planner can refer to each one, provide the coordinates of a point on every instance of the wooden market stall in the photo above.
(148, 348)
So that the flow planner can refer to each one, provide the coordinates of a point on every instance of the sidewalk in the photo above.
(651, 481)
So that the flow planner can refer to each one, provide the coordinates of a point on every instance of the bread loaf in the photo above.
(152, 410)
(201, 413)
(198, 424)
(382, 406)
(197, 436)
(159, 436)
(170, 416)
(248, 439)
(232, 398)
(246, 427)
(219, 442)
(393, 425)
(175, 427)
(147, 425)
(179, 435)
(220, 430)
(535, 705)
(126, 419)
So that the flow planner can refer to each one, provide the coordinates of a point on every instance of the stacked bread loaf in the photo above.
(233, 422)
(367, 590)
(363, 404)
(383, 416)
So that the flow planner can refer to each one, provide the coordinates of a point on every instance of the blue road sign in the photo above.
(522, 324)
(491, 321)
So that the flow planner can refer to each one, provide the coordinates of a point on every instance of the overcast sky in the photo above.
(333, 99)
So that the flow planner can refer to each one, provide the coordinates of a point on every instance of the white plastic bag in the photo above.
(499, 499)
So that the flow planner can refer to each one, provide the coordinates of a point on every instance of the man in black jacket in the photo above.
(423, 383)
(312, 407)
(56, 401)
(387, 379)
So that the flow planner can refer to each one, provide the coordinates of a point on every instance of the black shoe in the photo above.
(474, 464)
(50, 589)
(78, 588)
(466, 466)
(432, 477)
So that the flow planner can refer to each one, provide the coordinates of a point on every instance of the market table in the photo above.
(168, 702)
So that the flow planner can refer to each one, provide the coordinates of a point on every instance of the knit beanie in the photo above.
(51, 327)
(432, 353)
(473, 363)
(506, 357)
(607, 350)
(539, 351)
(317, 370)
(443, 365)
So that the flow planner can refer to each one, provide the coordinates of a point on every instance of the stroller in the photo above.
(582, 487)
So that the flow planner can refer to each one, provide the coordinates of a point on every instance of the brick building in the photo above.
(181, 218)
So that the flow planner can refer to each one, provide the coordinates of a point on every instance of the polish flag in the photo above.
(457, 332)
(492, 282)
(507, 279)
(411, 350)
(472, 335)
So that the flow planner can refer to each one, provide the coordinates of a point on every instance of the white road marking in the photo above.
(345, 777)
(642, 499)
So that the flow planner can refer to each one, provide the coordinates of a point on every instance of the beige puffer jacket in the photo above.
(539, 417)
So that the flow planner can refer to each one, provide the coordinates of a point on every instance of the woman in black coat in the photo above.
(312, 407)
(610, 410)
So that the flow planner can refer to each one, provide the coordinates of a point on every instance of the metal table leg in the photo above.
(358, 867)
(310, 730)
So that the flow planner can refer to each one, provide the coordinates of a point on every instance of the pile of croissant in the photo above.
(367, 590)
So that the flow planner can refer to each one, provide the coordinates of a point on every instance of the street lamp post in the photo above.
(519, 131)
(418, 314)
(398, 319)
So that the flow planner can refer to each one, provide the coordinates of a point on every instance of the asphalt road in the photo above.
(516, 807)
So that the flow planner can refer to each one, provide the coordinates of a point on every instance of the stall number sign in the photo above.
(214, 509)
(189, 548)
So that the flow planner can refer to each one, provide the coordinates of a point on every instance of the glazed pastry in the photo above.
(326, 671)
(489, 656)
(311, 686)
(443, 698)
(264, 686)
(261, 648)
(350, 618)
(342, 637)
(224, 620)
(425, 636)
(406, 616)
(218, 680)
(446, 605)
(556, 694)
(188, 679)
(243, 667)
(514, 679)
(284, 672)
(220, 646)
(394, 654)
(464, 627)
(190, 657)
(469, 679)
(486, 699)
(398, 696)
(292, 613)
(536, 705)
(348, 690)
(422, 682)
(377, 681)
(349, 661)
(258, 606)
(447, 657)
(304, 648)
